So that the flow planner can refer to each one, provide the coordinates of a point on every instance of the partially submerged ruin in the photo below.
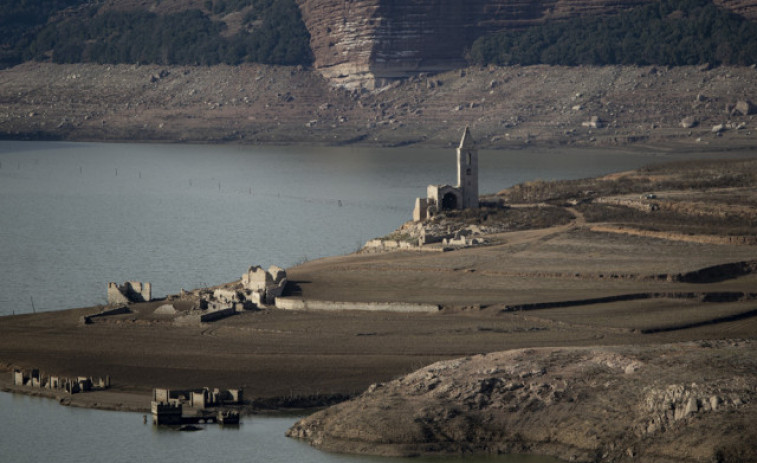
(167, 406)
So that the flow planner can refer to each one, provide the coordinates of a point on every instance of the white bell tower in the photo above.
(467, 171)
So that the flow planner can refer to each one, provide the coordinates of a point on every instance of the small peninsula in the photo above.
(605, 319)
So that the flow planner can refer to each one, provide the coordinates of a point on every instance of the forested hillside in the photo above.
(669, 32)
(272, 33)
(665, 32)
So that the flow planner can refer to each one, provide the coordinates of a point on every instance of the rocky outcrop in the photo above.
(368, 42)
(671, 403)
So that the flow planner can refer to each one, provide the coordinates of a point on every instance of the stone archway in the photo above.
(449, 201)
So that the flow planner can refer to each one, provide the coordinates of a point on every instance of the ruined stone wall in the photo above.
(131, 291)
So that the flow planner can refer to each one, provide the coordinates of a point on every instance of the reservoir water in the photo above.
(74, 216)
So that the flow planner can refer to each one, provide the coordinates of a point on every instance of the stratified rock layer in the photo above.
(364, 43)
(671, 403)
(355, 42)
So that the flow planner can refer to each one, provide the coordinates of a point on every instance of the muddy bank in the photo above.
(683, 402)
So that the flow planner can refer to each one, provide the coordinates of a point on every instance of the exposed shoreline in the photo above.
(258, 104)
(546, 281)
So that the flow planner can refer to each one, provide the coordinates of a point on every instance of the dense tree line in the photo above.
(20, 20)
(274, 34)
(668, 32)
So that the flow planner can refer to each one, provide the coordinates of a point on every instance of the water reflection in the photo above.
(37, 429)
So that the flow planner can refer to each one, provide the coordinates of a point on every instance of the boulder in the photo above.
(166, 309)
(593, 123)
(689, 122)
(744, 108)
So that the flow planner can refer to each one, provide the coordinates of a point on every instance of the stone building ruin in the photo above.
(37, 380)
(131, 291)
(257, 288)
(264, 286)
(167, 406)
(447, 197)
(199, 398)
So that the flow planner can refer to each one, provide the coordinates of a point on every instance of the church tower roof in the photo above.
(467, 140)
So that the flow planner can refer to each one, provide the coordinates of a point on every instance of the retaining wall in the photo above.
(294, 303)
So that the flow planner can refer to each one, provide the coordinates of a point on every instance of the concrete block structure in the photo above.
(447, 197)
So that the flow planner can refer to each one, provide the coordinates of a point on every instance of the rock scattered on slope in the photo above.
(672, 403)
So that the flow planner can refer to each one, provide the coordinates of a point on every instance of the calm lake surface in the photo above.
(40, 430)
(74, 216)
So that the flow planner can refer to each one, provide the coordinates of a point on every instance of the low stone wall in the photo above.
(197, 318)
(673, 236)
(217, 314)
(389, 245)
(294, 303)
(87, 319)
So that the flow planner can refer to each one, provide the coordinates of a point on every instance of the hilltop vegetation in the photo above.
(20, 19)
(669, 32)
(272, 33)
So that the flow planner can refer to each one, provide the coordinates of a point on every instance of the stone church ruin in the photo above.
(464, 195)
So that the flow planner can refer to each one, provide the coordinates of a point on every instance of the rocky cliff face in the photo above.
(365, 42)
(357, 42)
